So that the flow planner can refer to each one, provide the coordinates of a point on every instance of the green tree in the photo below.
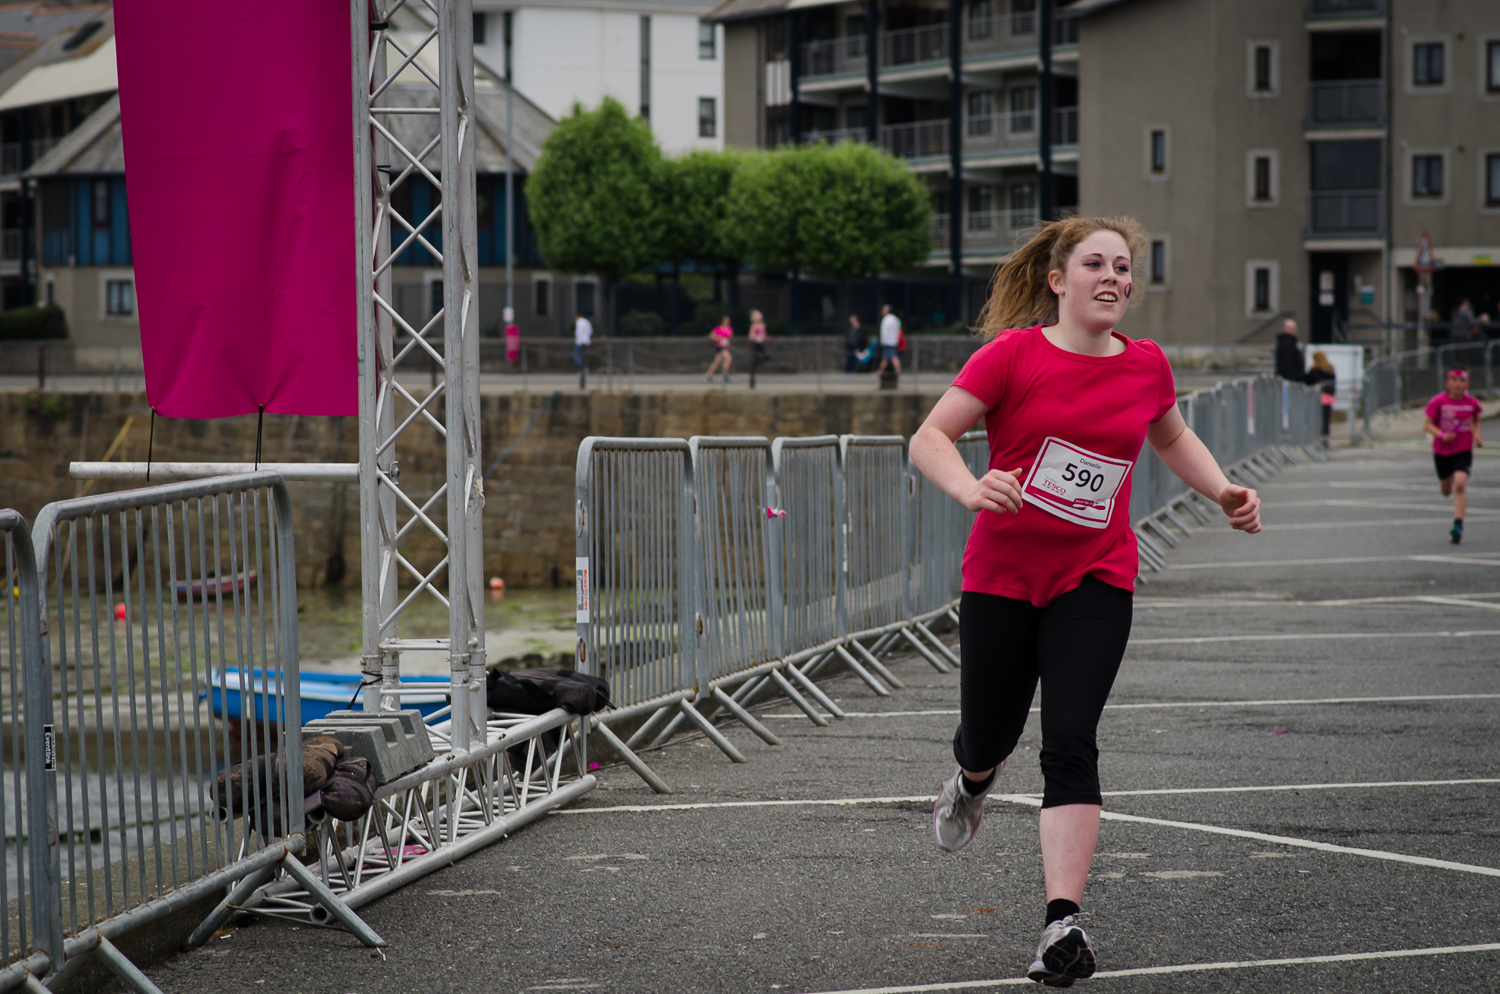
(591, 193)
(835, 210)
(692, 196)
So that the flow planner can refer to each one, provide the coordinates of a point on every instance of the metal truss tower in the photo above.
(414, 120)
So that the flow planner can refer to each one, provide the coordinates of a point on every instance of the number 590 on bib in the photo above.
(1073, 483)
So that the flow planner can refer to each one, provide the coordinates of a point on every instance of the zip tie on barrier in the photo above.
(775, 512)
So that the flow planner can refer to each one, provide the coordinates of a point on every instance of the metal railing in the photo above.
(11, 160)
(1344, 212)
(1344, 102)
(1344, 8)
(833, 56)
(913, 46)
(745, 565)
(1407, 379)
(127, 611)
(993, 230)
(916, 140)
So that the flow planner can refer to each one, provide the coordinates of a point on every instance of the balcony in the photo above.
(1344, 213)
(1006, 34)
(10, 154)
(983, 134)
(1320, 9)
(917, 140)
(1345, 103)
(993, 231)
(10, 245)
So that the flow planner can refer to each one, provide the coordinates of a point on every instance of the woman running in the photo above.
(722, 334)
(1051, 562)
(1453, 422)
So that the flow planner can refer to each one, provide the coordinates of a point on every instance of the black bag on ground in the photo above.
(537, 691)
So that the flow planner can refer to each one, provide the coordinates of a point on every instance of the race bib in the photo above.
(1075, 484)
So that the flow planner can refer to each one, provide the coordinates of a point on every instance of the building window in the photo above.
(1022, 110)
(119, 297)
(707, 41)
(1156, 151)
(101, 203)
(981, 208)
(981, 114)
(1262, 289)
(1262, 180)
(1427, 63)
(646, 67)
(1022, 17)
(542, 298)
(854, 36)
(1427, 176)
(854, 117)
(1158, 261)
(1492, 180)
(583, 298)
(981, 19)
(1262, 78)
(708, 118)
(1492, 66)
(478, 28)
(1022, 200)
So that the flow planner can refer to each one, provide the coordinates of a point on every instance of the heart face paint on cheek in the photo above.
(1128, 288)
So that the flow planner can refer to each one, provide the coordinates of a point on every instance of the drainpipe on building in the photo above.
(955, 157)
(1044, 107)
(794, 64)
(872, 123)
(26, 208)
(1390, 173)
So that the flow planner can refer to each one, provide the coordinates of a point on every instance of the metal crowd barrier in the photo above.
(1254, 426)
(130, 607)
(1408, 379)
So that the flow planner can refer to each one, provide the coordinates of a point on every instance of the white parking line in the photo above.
(1467, 600)
(1146, 971)
(1032, 799)
(1308, 526)
(1191, 704)
(1281, 840)
(1312, 636)
(1385, 505)
(1337, 561)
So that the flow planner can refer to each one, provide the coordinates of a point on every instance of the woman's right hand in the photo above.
(996, 490)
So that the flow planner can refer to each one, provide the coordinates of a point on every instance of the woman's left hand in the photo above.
(1243, 507)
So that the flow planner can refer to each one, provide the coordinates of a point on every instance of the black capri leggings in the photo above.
(1073, 646)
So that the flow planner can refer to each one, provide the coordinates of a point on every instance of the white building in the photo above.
(657, 57)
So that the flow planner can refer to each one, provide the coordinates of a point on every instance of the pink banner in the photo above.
(236, 121)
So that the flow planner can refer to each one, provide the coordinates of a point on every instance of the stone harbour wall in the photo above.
(529, 531)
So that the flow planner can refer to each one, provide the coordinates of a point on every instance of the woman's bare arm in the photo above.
(934, 453)
(1185, 455)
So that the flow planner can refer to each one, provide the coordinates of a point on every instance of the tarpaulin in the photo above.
(239, 164)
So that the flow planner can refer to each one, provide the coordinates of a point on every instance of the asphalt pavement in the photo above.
(1302, 785)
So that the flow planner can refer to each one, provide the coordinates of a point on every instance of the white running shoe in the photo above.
(1064, 954)
(957, 813)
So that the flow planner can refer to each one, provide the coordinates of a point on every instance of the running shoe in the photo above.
(1064, 954)
(957, 813)
(1456, 534)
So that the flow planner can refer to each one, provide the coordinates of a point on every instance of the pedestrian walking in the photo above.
(890, 340)
(855, 341)
(1051, 561)
(1322, 376)
(721, 335)
(583, 336)
(1453, 422)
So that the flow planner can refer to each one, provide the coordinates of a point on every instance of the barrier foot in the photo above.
(129, 974)
(1177, 520)
(884, 644)
(878, 666)
(862, 673)
(1195, 511)
(672, 726)
(953, 616)
(816, 693)
(937, 663)
(812, 713)
(33, 985)
(234, 899)
(650, 725)
(745, 718)
(330, 901)
(938, 644)
(714, 735)
(633, 761)
(1161, 531)
(814, 665)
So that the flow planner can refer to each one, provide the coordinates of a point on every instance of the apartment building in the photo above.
(657, 57)
(1287, 156)
(950, 86)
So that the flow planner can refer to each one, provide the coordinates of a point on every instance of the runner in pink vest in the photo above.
(1051, 563)
(1453, 422)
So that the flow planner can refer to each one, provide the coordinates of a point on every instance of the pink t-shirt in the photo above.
(1456, 416)
(1074, 424)
(722, 334)
(757, 332)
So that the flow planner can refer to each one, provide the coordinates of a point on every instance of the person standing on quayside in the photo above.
(854, 343)
(1453, 422)
(583, 336)
(1322, 376)
(890, 338)
(1463, 326)
(1288, 354)
(1051, 562)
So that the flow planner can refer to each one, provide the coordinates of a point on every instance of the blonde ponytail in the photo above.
(1020, 295)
